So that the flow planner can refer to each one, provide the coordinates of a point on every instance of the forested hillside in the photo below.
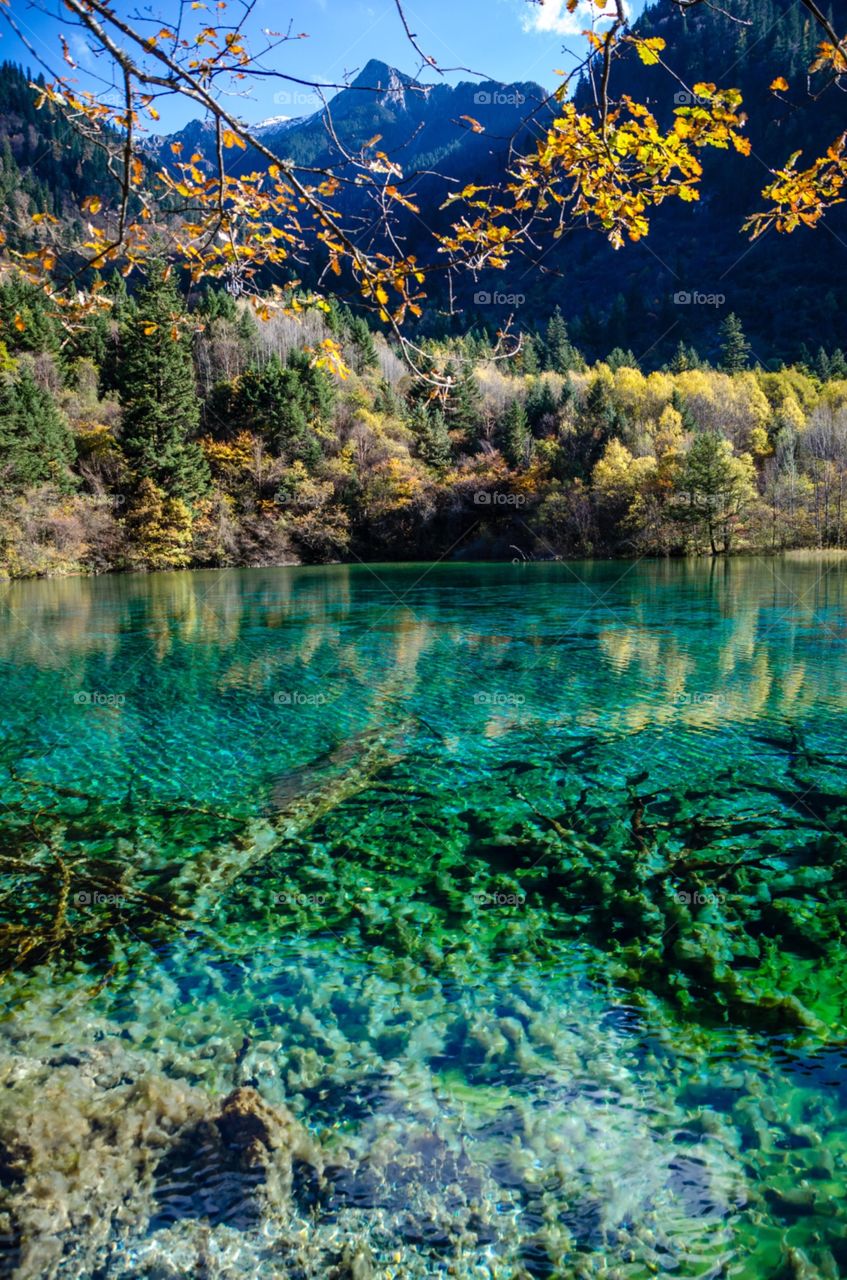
(687, 394)
(160, 438)
(46, 167)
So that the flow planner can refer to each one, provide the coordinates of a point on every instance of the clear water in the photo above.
(514, 895)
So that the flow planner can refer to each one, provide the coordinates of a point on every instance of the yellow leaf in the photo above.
(92, 204)
(649, 50)
(18, 322)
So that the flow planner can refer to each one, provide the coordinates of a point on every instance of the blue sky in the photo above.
(507, 40)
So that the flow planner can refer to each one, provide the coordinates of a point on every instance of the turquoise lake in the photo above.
(426, 921)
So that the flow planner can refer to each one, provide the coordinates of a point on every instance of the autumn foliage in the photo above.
(608, 167)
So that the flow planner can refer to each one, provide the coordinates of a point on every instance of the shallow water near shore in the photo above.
(451, 920)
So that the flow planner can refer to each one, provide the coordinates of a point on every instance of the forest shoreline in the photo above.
(233, 444)
(743, 555)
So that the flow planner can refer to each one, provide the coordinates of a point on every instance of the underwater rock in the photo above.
(80, 1160)
(102, 1151)
(796, 1202)
(356, 1264)
(797, 1267)
(235, 1164)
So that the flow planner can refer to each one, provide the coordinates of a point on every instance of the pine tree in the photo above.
(36, 446)
(161, 409)
(90, 340)
(10, 174)
(116, 327)
(684, 359)
(421, 387)
(463, 401)
(361, 340)
(528, 355)
(679, 402)
(516, 436)
(735, 349)
(542, 407)
(568, 395)
(280, 403)
(432, 437)
(560, 356)
(597, 421)
(714, 488)
(315, 388)
(388, 402)
(247, 329)
(619, 359)
(217, 304)
(26, 320)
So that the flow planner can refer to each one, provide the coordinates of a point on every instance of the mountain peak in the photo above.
(390, 83)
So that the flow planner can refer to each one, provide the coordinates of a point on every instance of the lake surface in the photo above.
(416, 921)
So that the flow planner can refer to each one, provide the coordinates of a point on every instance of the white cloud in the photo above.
(81, 51)
(551, 17)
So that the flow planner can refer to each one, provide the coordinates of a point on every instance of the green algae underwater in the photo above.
(416, 921)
